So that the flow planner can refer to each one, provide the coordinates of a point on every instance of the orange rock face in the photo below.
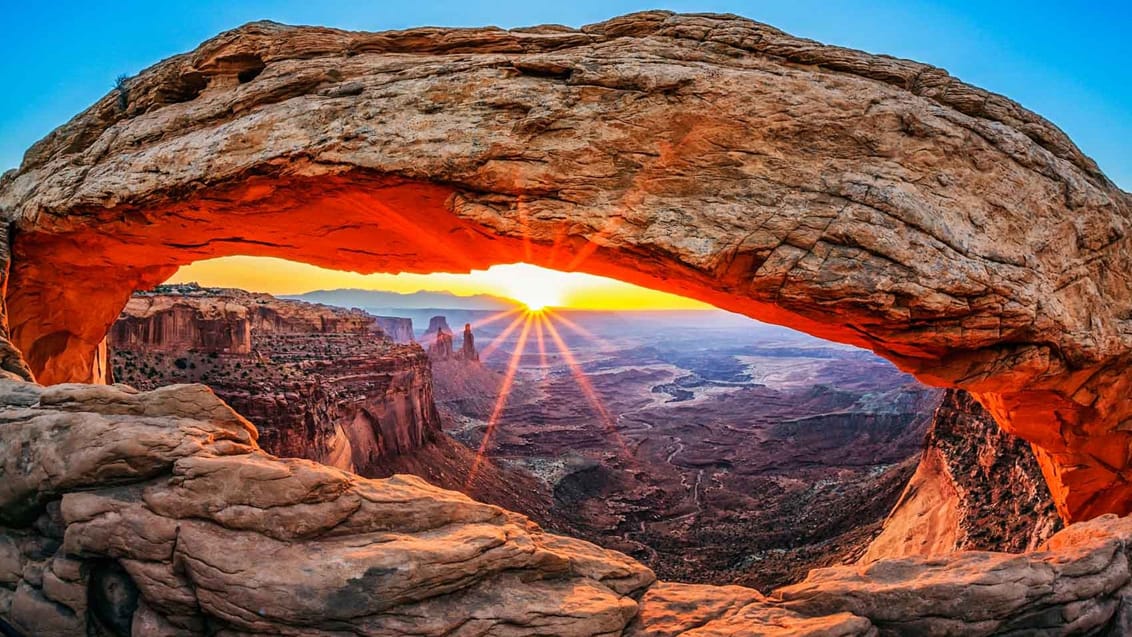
(863, 199)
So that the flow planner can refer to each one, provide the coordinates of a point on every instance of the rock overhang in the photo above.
(862, 198)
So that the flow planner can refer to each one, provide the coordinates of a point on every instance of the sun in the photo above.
(536, 300)
(535, 288)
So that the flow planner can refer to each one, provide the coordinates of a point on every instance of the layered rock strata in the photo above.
(320, 382)
(156, 513)
(861, 198)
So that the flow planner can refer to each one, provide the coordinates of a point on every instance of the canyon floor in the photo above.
(708, 446)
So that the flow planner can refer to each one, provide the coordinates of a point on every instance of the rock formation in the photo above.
(976, 488)
(399, 330)
(168, 491)
(441, 343)
(861, 198)
(468, 345)
(156, 513)
(440, 349)
(320, 382)
(180, 317)
(436, 325)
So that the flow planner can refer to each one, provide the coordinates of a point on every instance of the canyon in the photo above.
(884, 204)
(864, 199)
(156, 513)
(718, 450)
(695, 414)
(320, 383)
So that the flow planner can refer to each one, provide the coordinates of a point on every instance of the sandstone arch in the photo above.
(861, 198)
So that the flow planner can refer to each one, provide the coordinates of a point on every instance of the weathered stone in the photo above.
(861, 198)
(865, 199)
(669, 610)
(976, 488)
(1074, 586)
(319, 382)
(121, 437)
(222, 538)
(198, 534)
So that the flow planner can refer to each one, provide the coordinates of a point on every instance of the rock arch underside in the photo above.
(861, 198)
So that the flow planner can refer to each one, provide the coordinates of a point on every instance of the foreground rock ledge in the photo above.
(155, 513)
(861, 198)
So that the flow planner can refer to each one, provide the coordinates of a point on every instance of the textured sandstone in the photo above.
(669, 610)
(861, 198)
(218, 536)
(1078, 585)
(173, 522)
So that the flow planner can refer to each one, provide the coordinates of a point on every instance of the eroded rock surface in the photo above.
(155, 513)
(1077, 584)
(216, 535)
(976, 488)
(320, 382)
(861, 198)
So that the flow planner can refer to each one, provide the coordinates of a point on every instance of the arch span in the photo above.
(861, 198)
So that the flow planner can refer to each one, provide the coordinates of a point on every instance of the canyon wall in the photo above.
(320, 382)
(976, 488)
(160, 324)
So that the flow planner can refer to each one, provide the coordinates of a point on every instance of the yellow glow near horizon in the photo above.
(529, 285)
(535, 287)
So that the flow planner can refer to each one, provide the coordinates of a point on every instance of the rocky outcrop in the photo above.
(861, 198)
(156, 513)
(12, 363)
(183, 317)
(320, 382)
(399, 330)
(976, 488)
(468, 345)
(167, 493)
(1077, 584)
(440, 349)
(352, 413)
(441, 342)
(173, 325)
(437, 325)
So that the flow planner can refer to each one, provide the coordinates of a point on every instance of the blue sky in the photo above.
(1069, 63)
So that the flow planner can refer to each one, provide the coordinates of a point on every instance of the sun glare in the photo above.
(536, 300)
(536, 288)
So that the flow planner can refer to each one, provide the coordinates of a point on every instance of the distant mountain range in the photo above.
(374, 299)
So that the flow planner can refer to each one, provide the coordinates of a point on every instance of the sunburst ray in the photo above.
(585, 385)
(500, 400)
